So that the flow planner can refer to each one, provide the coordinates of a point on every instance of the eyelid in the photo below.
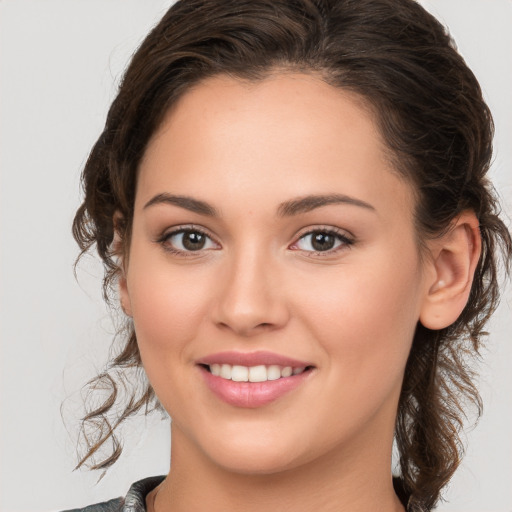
(344, 236)
(175, 230)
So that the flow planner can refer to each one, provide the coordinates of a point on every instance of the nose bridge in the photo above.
(250, 299)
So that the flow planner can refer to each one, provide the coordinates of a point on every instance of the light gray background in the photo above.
(60, 62)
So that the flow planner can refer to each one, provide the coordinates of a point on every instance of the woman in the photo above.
(291, 199)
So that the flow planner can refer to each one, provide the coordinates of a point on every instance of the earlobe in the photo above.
(124, 297)
(455, 256)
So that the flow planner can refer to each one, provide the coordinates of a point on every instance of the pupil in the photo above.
(322, 241)
(193, 241)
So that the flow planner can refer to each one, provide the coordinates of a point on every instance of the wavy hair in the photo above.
(437, 128)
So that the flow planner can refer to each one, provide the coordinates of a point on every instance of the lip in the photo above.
(252, 394)
(252, 359)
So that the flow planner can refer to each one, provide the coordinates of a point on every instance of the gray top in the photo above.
(134, 501)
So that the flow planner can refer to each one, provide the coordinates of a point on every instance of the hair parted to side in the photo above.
(431, 114)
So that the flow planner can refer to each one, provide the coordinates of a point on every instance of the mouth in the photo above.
(258, 373)
(251, 380)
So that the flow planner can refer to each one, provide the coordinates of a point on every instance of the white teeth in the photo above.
(286, 371)
(257, 373)
(225, 371)
(273, 372)
(260, 373)
(240, 373)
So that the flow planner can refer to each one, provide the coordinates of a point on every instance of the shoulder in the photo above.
(115, 505)
(134, 501)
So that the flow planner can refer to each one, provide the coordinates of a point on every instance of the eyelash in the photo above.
(342, 237)
(164, 240)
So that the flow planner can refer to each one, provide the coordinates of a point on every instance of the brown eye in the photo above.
(193, 240)
(322, 241)
(188, 240)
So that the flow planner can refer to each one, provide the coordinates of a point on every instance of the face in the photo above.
(272, 237)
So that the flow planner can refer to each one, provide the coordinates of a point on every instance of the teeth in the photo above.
(273, 372)
(260, 373)
(240, 373)
(286, 371)
(257, 373)
(225, 371)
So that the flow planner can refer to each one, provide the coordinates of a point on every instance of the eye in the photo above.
(322, 240)
(187, 240)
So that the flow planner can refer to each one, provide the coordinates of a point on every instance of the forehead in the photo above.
(288, 134)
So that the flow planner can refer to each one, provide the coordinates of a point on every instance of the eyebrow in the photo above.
(189, 203)
(288, 208)
(311, 202)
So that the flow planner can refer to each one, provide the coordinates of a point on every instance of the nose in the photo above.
(252, 299)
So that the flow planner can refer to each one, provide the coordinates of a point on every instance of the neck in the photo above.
(339, 481)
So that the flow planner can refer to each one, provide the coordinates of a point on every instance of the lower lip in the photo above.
(252, 394)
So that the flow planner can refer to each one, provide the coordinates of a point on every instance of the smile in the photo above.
(251, 380)
(260, 373)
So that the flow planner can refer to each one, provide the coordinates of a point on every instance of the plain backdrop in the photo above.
(60, 63)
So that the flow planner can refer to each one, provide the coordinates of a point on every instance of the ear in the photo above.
(119, 251)
(455, 256)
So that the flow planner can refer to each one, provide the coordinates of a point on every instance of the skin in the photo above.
(257, 285)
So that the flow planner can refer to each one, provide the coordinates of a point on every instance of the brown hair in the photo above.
(431, 114)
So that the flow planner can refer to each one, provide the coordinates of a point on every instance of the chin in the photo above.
(255, 455)
(256, 463)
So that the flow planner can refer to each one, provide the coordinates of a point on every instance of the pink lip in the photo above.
(251, 394)
(252, 359)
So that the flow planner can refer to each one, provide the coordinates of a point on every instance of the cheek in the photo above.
(365, 318)
(160, 309)
(168, 306)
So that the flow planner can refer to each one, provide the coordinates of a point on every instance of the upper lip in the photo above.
(252, 359)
